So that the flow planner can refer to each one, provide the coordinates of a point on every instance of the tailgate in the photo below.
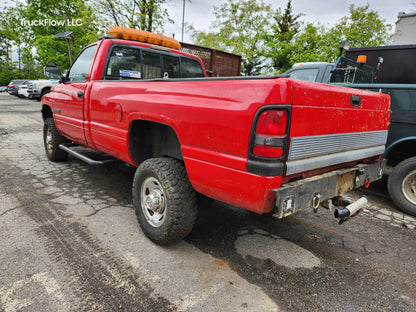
(332, 125)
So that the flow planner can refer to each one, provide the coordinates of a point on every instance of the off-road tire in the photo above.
(51, 141)
(168, 180)
(402, 185)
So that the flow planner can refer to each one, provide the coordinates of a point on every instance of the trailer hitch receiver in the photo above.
(351, 210)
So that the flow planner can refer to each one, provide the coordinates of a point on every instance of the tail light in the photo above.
(12, 86)
(271, 134)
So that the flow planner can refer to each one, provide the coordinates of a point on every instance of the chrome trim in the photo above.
(302, 165)
(312, 146)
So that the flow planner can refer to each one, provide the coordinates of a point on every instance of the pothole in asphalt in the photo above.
(279, 250)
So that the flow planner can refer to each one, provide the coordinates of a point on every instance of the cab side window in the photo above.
(171, 67)
(151, 65)
(191, 68)
(79, 69)
(124, 63)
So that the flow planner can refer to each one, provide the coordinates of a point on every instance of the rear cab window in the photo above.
(309, 74)
(134, 62)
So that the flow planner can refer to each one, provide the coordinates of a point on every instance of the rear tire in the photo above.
(402, 185)
(164, 200)
(51, 141)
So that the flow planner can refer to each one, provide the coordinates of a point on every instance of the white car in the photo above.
(22, 91)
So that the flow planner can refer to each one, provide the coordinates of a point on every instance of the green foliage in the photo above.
(264, 37)
(243, 27)
(284, 30)
(362, 28)
(20, 30)
(239, 28)
(146, 15)
(311, 43)
(52, 49)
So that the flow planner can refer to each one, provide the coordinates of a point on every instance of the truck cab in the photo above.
(311, 71)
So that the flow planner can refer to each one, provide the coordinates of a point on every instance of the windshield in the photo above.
(52, 76)
(349, 71)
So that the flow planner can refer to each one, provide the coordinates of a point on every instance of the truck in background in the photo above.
(311, 71)
(399, 62)
(38, 88)
(401, 143)
(397, 78)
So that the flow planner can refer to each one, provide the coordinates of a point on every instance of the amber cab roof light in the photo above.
(144, 36)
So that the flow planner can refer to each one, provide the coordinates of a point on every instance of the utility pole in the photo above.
(68, 39)
(28, 69)
(183, 18)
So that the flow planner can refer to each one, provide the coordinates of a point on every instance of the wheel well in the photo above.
(401, 151)
(46, 89)
(150, 139)
(46, 112)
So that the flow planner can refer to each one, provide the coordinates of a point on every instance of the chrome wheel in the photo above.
(164, 200)
(153, 202)
(409, 187)
(51, 141)
(48, 140)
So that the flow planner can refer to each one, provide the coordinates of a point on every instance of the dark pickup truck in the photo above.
(401, 141)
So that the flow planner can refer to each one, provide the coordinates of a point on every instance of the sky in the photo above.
(199, 13)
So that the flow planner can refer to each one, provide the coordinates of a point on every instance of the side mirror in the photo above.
(52, 71)
(62, 79)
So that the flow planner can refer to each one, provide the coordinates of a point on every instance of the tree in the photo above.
(82, 22)
(362, 28)
(284, 30)
(310, 45)
(146, 15)
(239, 27)
(9, 35)
(13, 39)
(28, 28)
(308, 42)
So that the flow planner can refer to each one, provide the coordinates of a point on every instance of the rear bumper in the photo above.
(310, 192)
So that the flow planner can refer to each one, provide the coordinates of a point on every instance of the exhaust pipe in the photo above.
(351, 210)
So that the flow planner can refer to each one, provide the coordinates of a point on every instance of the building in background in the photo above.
(405, 32)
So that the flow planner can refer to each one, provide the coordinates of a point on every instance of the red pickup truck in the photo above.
(266, 144)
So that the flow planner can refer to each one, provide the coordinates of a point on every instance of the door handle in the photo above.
(355, 100)
(80, 94)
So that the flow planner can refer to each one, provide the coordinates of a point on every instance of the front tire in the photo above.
(51, 141)
(402, 185)
(164, 200)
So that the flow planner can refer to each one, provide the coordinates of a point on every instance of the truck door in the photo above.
(69, 105)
